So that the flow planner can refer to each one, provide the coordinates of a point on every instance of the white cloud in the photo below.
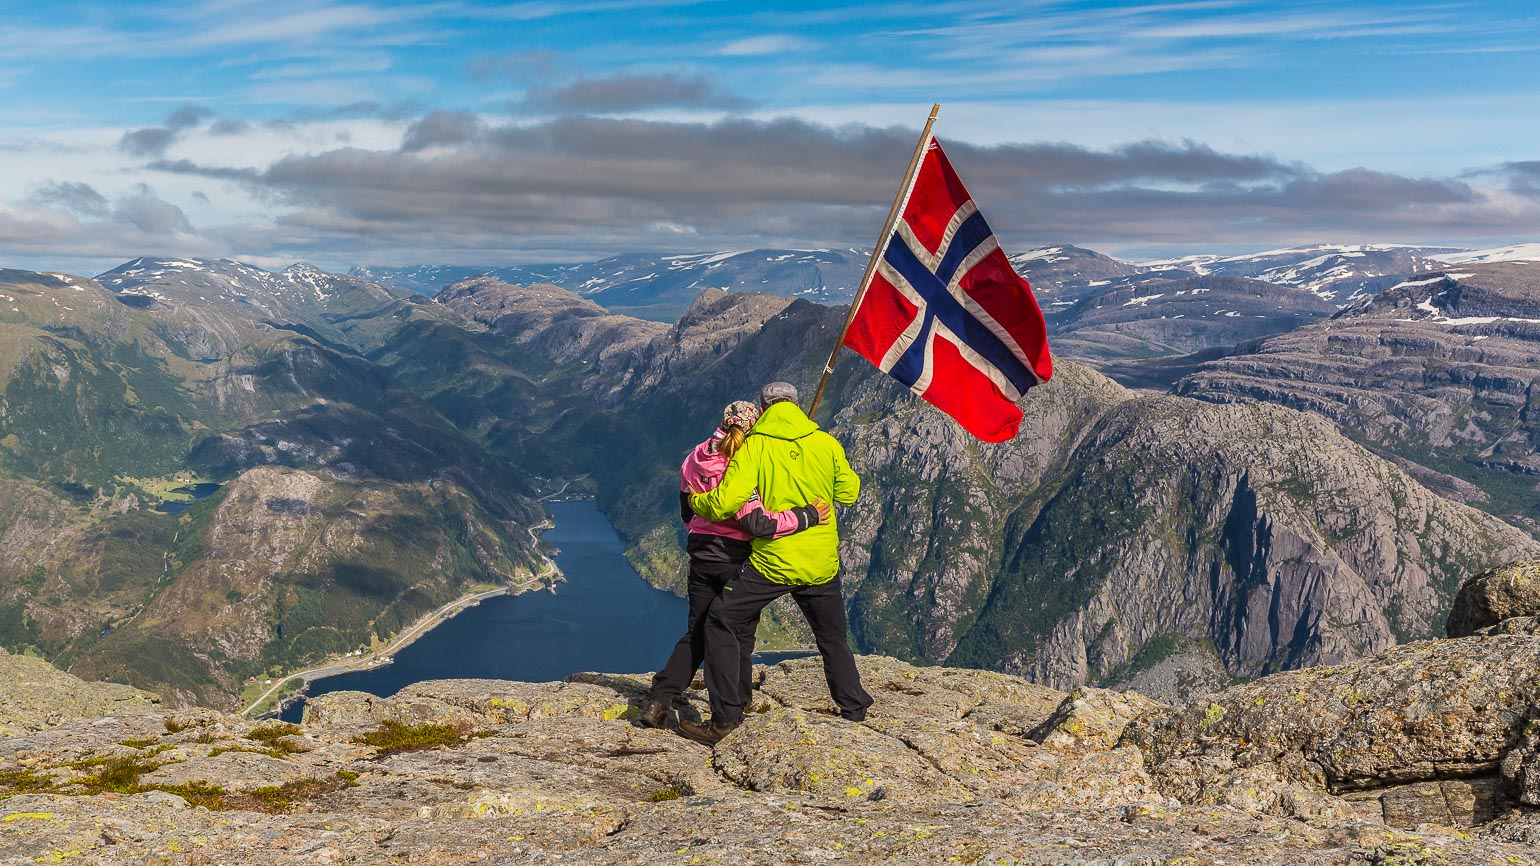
(755, 46)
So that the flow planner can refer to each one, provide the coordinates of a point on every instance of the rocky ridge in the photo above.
(1439, 371)
(1424, 754)
(1153, 316)
(661, 287)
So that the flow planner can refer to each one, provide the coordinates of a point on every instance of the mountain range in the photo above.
(1242, 465)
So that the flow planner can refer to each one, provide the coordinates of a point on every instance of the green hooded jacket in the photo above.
(791, 463)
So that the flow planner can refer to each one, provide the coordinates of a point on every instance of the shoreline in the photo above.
(401, 640)
(271, 705)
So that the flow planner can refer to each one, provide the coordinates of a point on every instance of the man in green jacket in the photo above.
(791, 463)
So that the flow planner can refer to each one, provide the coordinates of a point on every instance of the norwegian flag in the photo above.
(947, 315)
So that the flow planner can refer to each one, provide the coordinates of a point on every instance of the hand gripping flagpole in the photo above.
(882, 245)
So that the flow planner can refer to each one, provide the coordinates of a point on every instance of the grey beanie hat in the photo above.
(776, 392)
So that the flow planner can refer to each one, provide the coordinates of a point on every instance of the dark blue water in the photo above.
(602, 618)
(202, 490)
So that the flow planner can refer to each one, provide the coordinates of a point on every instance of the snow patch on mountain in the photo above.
(1515, 253)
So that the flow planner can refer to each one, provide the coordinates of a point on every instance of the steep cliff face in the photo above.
(1261, 530)
(923, 546)
(1440, 371)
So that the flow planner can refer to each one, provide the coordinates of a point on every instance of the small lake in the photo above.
(201, 490)
(603, 617)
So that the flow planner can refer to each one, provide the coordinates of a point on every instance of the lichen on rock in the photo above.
(941, 771)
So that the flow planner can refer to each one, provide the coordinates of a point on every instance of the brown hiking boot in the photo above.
(655, 714)
(706, 733)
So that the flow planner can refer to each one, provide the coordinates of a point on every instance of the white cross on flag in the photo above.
(946, 314)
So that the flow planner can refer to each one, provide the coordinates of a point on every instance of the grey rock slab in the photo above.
(1418, 712)
(356, 711)
(1448, 802)
(790, 750)
(985, 761)
(35, 695)
(610, 746)
(1094, 780)
(235, 771)
(500, 701)
(1091, 720)
(1517, 625)
(1489, 598)
(900, 690)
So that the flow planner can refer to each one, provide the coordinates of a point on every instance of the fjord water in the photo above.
(602, 618)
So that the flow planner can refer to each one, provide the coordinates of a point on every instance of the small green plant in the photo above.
(209, 796)
(272, 736)
(393, 737)
(116, 776)
(24, 781)
(285, 798)
(138, 743)
(673, 792)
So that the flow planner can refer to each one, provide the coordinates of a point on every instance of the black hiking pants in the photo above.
(740, 602)
(706, 580)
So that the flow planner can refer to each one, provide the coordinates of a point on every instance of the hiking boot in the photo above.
(706, 733)
(655, 714)
(857, 716)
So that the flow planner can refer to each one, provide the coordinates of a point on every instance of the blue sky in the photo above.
(473, 132)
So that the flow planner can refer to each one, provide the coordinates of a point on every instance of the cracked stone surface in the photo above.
(942, 771)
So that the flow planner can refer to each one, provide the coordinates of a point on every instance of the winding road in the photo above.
(423, 624)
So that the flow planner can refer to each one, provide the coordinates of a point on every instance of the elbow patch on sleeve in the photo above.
(757, 523)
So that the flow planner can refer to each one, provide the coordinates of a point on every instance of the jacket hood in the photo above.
(784, 421)
(703, 466)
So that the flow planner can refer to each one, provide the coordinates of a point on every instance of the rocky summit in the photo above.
(1425, 754)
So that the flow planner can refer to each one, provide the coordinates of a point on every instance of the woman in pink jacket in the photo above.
(717, 551)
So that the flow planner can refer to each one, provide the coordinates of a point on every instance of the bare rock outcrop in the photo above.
(35, 695)
(1427, 732)
(942, 771)
(1091, 720)
(1506, 594)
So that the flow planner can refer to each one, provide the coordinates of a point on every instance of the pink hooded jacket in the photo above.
(702, 471)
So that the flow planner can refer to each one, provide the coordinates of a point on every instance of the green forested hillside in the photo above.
(348, 505)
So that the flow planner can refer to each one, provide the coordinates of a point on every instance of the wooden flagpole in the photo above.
(882, 245)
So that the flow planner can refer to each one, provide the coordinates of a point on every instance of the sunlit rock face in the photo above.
(1334, 765)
